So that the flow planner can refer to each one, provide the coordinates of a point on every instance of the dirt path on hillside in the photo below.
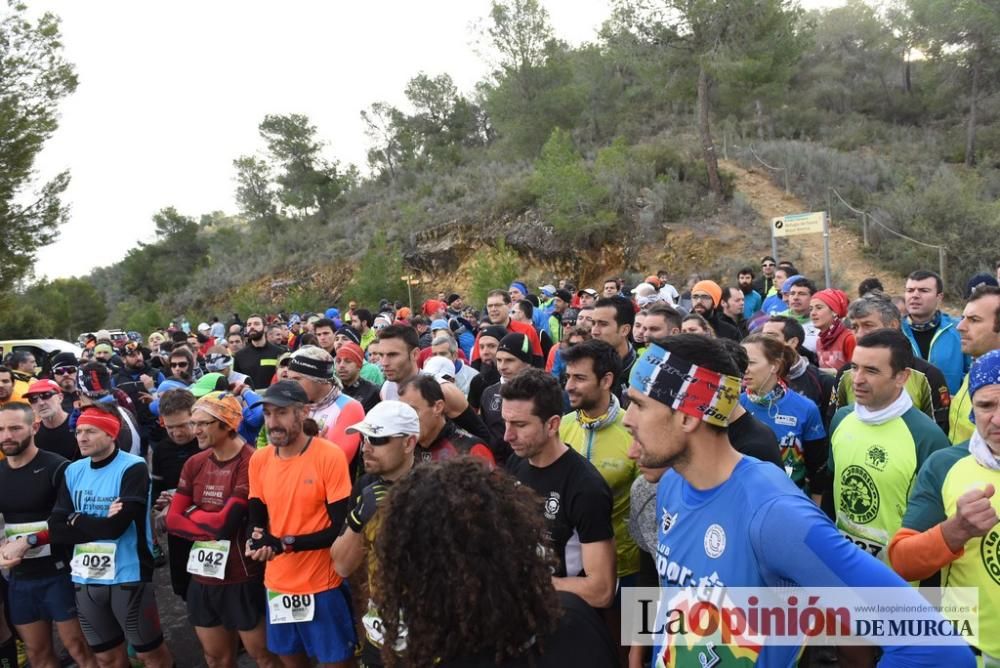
(849, 266)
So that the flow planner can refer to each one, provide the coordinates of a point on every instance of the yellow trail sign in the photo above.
(798, 223)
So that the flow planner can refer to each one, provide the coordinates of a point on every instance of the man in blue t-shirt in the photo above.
(727, 520)
(102, 510)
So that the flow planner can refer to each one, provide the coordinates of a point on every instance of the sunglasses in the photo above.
(379, 440)
(178, 365)
(767, 264)
(64, 370)
(41, 396)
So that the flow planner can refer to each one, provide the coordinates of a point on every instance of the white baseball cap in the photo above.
(441, 368)
(388, 418)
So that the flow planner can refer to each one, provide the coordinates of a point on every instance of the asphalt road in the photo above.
(179, 633)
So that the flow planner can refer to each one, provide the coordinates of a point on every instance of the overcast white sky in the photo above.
(170, 93)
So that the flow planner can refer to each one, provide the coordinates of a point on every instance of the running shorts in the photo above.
(110, 614)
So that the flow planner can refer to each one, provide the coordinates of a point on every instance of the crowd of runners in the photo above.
(475, 484)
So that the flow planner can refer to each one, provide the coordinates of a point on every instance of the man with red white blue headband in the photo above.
(727, 520)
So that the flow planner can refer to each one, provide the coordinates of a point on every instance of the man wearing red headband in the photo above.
(103, 511)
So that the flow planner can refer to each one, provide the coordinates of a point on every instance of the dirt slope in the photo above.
(847, 259)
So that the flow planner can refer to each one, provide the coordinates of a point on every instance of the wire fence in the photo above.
(867, 217)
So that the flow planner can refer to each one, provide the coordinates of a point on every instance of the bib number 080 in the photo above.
(293, 601)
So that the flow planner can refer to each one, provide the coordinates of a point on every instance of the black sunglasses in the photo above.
(41, 396)
(64, 370)
(178, 365)
(379, 440)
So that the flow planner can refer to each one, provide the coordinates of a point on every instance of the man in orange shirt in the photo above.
(299, 489)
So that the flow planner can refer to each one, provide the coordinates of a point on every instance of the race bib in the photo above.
(871, 547)
(376, 632)
(94, 561)
(290, 608)
(208, 558)
(16, 530)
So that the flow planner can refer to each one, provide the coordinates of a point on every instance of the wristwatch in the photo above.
(32, 539)
(288, 543)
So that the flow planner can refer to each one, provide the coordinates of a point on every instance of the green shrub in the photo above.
(494, 267)
(568, 195)
(378, 274)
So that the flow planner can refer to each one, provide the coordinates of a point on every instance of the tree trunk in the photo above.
(907, 83)
(705, 131)
(970, 135)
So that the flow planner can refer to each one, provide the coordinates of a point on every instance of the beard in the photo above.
(581, 402)
(255, 335)
(12, 448)
(680, 457)
(280, 438)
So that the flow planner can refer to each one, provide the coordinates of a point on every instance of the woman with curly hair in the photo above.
(463, 577)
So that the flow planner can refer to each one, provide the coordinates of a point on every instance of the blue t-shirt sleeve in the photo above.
(795, 543)
(813, 430)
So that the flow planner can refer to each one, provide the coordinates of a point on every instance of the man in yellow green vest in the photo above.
(951, 522)
(595, 430)
(879, 443)
(980, 332)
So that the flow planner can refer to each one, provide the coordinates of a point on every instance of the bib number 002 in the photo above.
(94, 561)
(290, 608)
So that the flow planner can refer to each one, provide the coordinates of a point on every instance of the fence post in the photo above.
(942, 264)
(864, 228)
(787, 191)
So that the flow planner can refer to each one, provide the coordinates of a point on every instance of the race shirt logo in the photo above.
(786, 420)
(877, 457)
(552, 505)
(859, 497)
(668, 520)
(715, 541)
(990, 551)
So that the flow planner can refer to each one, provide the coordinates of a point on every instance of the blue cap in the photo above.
(332, 313)
(440, 323)
(790, 281)
(985, 371)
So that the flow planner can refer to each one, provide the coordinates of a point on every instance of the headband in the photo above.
(685, 387)
(223, 407)
(310, 367)
(106, 422)
(352, 351)
(985, 371)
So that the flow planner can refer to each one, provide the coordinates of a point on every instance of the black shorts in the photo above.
(236, 607)
(110, 614)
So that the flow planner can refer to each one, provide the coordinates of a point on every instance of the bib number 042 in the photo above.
(208, 558)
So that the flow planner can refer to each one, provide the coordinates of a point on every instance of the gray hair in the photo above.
(878, 304)
(318, 354)
(446, 338)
